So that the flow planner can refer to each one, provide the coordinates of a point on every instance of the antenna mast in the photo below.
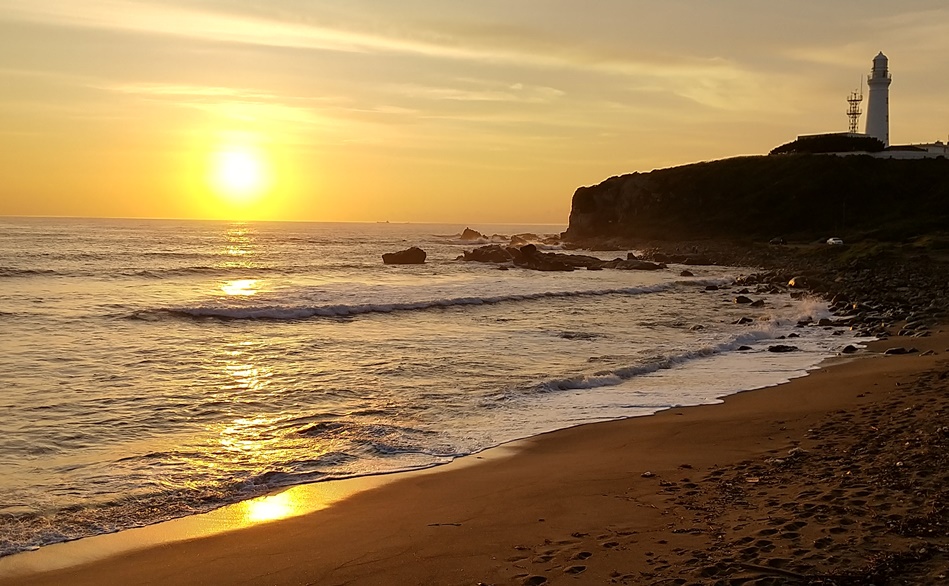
(854, 111)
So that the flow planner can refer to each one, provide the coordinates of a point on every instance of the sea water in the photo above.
(156, 369)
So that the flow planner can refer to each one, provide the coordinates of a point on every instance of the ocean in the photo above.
(154, 369)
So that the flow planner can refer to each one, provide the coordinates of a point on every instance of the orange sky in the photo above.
(425, 110)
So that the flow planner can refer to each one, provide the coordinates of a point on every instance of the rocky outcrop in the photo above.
(797, 196)
(470, 234)
(529, 257)
(410, 256)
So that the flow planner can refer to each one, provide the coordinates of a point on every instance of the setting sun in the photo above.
(238, 174)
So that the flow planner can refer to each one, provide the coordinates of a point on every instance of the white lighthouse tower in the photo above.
(878, 106)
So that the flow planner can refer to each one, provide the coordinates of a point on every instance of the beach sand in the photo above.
(839, 477)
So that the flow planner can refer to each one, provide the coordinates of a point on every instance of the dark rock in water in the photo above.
(743, 321)
(686, 274)
(711, 287)
(631, 256)
(782, 348)
(491, 253)
(410, 256)
(797, 283)
(741, 299)
(696, 328)
(900, 350)
(849, 349)
(777, 240)
(638, 265)
(529, 249)
(470, 234)
(793, 335)
(744, 348)
(758, 303)
(825, 322)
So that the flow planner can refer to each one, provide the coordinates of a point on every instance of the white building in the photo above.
(878, 106)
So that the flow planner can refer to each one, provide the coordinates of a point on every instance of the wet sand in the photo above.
(839, 477)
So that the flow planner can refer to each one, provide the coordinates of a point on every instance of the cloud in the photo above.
(517, 46)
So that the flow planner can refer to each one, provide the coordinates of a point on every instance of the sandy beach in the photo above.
(836, 478)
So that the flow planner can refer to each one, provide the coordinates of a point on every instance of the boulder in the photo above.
(470, 234)
(410, 256)
(638, 265)
(491, 253)
(782, 348)
(797, 283)
(686, 274)
(758, 303)
(741, 299)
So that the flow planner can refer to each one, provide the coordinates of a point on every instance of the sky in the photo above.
(425, 110)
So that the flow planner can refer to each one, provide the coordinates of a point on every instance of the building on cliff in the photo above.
(878, 106)
(877, 123)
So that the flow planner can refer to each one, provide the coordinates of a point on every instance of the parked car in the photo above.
(835, 241)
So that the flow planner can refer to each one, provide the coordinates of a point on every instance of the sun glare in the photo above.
(239, 175)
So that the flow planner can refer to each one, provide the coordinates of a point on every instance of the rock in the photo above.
(758, 303)
(849, 349)
(824, 322)
(631, 256)
(492, 253)
(741, 299)
(744, 348)
(782, 348)
(900, 350)
(742, 321)
(686, 274)
(711, 287)
(638, 265)
(797, 283)
(696, 328)
(470, 234)
(647, 474)
(777, 240)
(410, 256)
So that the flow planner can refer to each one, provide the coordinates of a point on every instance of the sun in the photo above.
(239, 174)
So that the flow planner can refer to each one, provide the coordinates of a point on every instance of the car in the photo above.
(835, 241)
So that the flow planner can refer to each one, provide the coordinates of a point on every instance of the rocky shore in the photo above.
(878, 289)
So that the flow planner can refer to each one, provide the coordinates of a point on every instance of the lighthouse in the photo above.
(878, 106)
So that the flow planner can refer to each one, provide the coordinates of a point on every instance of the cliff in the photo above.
(752, 198)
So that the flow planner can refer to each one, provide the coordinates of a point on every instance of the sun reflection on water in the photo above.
(273, 507)
(241, 287)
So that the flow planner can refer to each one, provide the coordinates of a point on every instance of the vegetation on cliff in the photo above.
(800, 197)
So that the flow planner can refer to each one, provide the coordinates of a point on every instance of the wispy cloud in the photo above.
(521, 47)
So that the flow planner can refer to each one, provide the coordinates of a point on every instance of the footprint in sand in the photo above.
(583, 555)
(534, 580)
(575, 570)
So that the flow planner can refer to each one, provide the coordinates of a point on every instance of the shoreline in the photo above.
(552, 506)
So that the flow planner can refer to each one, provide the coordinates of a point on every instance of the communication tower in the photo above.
(854, 111)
